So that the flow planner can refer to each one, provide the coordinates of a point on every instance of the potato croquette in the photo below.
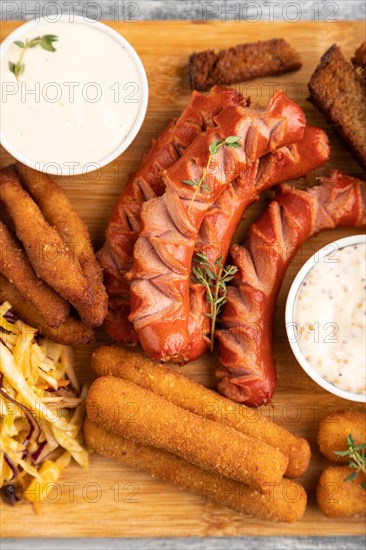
(338, 498)
(336, 427)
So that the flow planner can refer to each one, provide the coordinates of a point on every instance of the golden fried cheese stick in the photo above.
(336, 427)
(285, 502)
(51, 259)
(193, 397)
(139, 414)
(58, 212)
(15, 266)
(338, 498)
(71, 332)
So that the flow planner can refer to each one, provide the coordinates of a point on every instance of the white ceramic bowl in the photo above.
(290, 317)
(12, 148)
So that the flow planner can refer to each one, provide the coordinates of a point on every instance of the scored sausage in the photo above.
(247, 373)
(221, 220)
(124, 224)
(170, 224)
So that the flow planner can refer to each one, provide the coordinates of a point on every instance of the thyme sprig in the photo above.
(357, 462)
(231, 141)
(46, 42)
(214, 276)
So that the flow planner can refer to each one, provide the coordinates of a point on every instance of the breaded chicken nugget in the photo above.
(139, 414)
(15, 266)
(338, 498)
(59, 213)
(71, 332)
(285, 502)
(51, 259)
(336, 427)
(193, 397)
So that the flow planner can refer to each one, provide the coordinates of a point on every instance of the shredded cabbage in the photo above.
(41, 407)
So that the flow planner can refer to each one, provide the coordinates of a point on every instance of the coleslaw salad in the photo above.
(41, 410)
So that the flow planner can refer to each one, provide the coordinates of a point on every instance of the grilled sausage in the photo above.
(170, 224)
(247, 373)
(124, 225)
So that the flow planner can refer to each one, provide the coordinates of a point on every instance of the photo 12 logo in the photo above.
(265, 11)
(52, 12)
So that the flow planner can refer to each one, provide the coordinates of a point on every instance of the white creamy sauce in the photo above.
(75, 105)
(330, 310)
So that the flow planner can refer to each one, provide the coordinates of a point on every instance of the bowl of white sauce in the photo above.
(325, 317)
(73, 95)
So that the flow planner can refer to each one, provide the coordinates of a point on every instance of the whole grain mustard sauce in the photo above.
(330, 315)
(75, 105)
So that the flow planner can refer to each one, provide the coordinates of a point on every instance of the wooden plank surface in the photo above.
(111, 500)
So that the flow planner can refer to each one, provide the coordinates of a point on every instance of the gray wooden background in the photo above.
(263, 10)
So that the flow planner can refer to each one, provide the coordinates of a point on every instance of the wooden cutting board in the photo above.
(111, 500)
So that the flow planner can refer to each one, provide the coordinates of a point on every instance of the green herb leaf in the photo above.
(351, 477)
(46, 42)
(213, 276)
(357, 460)
(33, 43)
(214, 147)
(47, 45)
(232, 140)
(341, 453)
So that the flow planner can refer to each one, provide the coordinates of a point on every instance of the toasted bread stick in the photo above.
(52, 260)
(15, 265)
(139, 414)
(242, 62)
(193, 397)
(285, 502)
(338, 498)
(72, 332)
(336, 427)
(58, 212)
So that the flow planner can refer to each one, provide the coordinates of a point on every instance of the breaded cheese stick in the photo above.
(139, 414)
(58, 212)
(193, 397)
(337, 498)
(285, 502)
(15, 266)
(51, 259)
(71, 332)
(336, 427)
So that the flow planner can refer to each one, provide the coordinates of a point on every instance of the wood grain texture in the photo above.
(110, 500)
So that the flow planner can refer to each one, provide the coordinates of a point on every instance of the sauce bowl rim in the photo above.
(290, 315)
(132, 133)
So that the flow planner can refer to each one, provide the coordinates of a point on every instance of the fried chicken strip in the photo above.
(71, 332)
(273, 506)
(336, 427)
(126, 409)
(51, 258)
(15, 266)
(59, 213)
(338, 498)
(193, 397)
